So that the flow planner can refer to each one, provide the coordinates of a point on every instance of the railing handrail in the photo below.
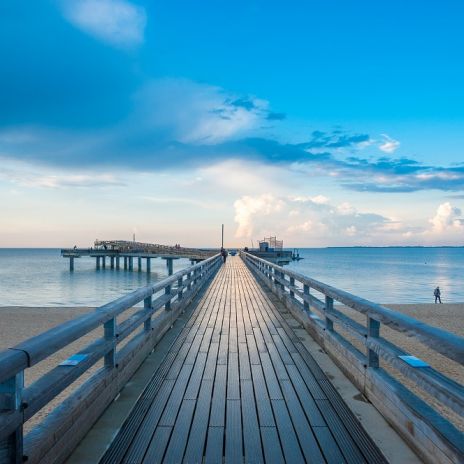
(446, 343)
(35, 349)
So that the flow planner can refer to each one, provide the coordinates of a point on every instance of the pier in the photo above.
(237, 384)
(124, 253)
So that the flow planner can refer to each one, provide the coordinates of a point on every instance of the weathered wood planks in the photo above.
(242, 388)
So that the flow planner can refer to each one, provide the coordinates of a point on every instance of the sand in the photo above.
(448, 316)
(20, 323)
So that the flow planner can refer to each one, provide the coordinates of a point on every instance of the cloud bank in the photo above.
(180, 124)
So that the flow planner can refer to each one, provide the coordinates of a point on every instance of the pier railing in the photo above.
(61, 431)
(427, 431)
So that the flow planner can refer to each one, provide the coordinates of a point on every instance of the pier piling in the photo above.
(71, 263)
(148, 264)
(139, 264)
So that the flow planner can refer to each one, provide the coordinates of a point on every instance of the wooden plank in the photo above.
(251, 436)
(244, 361)
(210, 367)
(303, 430)
(271, 378)
(271, 445)
(175, 451)
(214, 445)
(223, 349)
(288, 438)
(253, 350)
(307, 374)
(197, 437)
(233, 439)
(233, 387)
(157, 447)
(218, 404)
(309, 405)
(328, 445)
(279, 367)
(266, 417)
(195, 379)
(206, 340)
(143, 438)
(172, 407)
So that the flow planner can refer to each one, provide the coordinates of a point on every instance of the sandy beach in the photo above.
(19, 323)
(448, 316)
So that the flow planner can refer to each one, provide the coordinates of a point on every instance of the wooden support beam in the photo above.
(11, 447)
(169, 264)
(139, 264)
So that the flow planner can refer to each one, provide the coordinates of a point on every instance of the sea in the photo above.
(41, 277)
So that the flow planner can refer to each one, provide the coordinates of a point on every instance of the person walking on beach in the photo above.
(224, 255)
(437, 295)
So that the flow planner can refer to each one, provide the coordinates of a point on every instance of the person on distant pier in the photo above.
(224, 254)
(437, 295)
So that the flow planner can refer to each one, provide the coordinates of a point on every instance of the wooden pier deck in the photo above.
(239, 386)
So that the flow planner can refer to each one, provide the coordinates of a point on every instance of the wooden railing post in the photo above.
(190, 278)
(179, 287)
(110, 335)
(147, 304)
(11, 447)
(306, 292)
(373, 331)
(292, 284)
(167, 291)
(329, 304)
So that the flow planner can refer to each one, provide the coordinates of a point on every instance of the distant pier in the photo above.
(120, 252)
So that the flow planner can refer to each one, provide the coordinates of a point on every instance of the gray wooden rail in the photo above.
(56, 437)
(430, 434)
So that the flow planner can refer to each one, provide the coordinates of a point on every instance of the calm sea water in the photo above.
(388, 275)
(40, 277)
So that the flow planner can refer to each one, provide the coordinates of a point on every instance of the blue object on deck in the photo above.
(74, 360)
(413, 361)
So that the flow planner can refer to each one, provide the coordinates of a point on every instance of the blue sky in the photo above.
(324, 122)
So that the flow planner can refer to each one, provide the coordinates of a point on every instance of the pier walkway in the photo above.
(239, 386)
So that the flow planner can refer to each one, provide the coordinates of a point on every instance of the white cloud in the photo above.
(23, 176)
(305, 221)
(389, 145)
(195, 113)
(447, 218)
(117, 22)
(247, 207)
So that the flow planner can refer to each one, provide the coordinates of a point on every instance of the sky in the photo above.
(324, 122)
